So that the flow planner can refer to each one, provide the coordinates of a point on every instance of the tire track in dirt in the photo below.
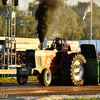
(37, 90)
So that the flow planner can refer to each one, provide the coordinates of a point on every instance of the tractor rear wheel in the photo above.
(45, 77)
(22, 79)
(73, 69)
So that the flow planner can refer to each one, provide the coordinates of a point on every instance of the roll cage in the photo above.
(63, 44)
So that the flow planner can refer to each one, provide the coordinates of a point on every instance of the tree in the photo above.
(27, 27)
(2, 19)
(71, 25)
(79, 9)
(68, 24)
(32, 7)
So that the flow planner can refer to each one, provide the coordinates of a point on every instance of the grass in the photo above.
(78, 98)
(31, 79)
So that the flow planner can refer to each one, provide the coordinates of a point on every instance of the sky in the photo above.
(23, 4)
(76, 1)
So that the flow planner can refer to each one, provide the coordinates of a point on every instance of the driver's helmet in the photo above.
(59, 41)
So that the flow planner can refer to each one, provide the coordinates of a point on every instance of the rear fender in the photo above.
(88, 51)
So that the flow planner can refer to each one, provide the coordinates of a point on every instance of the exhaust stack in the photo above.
(41, 45)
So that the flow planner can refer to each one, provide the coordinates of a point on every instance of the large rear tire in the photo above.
(22, 79)
(73, 70)
(46, 77)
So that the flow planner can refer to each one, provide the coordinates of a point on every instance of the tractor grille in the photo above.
(30, 57)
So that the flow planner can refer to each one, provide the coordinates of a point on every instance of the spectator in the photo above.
(23, 59)
(47, 48)
(1, 59)
(13, 59)
(9, 59)
(21, 56)
(18, 59)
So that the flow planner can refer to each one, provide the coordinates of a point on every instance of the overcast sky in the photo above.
(23, 4)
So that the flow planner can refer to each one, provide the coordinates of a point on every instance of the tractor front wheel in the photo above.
(22, 79)
(45, 77)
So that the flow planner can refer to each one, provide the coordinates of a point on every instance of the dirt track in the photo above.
(38, 90)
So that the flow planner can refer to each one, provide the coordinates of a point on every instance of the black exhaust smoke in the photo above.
(45, 15)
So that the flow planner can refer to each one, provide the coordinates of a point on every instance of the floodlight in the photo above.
(4, 2)
(16, 3)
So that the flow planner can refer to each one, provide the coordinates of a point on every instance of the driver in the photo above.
(59, 46)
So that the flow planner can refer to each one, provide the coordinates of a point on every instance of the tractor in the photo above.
(55, 66)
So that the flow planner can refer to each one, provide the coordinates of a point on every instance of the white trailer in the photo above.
(21, 45)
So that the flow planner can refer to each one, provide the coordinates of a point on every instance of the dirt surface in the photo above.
(35, 89)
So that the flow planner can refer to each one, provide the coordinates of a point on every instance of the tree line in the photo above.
(69, 24)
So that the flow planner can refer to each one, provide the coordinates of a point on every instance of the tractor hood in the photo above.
(39, 58)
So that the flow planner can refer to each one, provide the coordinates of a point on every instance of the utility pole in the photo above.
(91, 24)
